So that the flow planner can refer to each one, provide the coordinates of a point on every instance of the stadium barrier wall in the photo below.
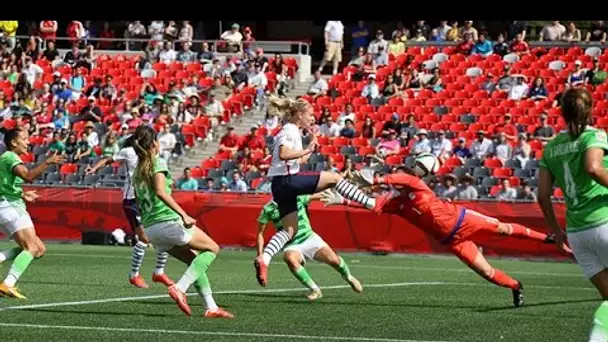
(230, 218)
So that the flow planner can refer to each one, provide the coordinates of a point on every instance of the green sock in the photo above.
(305, 278)
(22, 261)
(204, 291)
(10, 254)
(343, 269)
(599, 332)
(198, 267)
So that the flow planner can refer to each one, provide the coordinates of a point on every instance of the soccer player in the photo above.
(127, 157)
(168, 226)
(306, 244)
(451, 224)
(575, 161)
(15, 222)
(288, 182)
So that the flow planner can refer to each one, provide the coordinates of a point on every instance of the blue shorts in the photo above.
(129, 206)
(286, 189)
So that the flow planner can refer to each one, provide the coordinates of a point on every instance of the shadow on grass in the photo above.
(103, 313)
(541, 304)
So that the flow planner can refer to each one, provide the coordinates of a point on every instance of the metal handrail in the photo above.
(302, 48)
(533, 43)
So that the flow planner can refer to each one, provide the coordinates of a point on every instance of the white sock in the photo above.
(137, 257)
(161, 261)
(276, 243)
(207, 297)
(353, 193)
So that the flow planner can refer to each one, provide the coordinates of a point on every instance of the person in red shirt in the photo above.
(519, 46)
(106, 33)
(467, 44)
(48, 30)
(507, 127)
(253, 141)
(451, 224)
(230, 141)
(246, 161)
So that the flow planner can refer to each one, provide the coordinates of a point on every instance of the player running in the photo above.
(306, 244)
(575, 161)
(168, 226)
(288, 182)
(15, 222)
(451, 224)
(127, 157)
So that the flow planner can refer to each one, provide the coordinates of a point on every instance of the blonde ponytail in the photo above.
(285, 108)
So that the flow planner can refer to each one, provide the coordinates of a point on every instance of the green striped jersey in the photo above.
(270, 213)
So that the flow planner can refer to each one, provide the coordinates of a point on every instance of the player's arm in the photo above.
(287, 153)
(594, 165)
(29, 176)
(103, 162)
(545, 188)
(401, 179)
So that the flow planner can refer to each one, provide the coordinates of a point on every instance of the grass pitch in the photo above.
(81, 293)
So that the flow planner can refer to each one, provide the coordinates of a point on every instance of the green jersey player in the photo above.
(574, 160)
(306, 244)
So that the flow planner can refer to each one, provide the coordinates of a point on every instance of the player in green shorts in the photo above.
(15, 222)
(574, 160)
(169, 228)
(306, 244)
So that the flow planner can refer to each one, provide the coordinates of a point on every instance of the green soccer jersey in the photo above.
(270, 213)
(153, 209)
(586, 200)
(10, 185)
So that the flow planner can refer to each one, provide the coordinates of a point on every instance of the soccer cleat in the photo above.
(180, 299)
(550, 239)
(380, 202)
(314, 295)
(261, 270)
(10, 291)
(219, 313)
(355, 284)
(518, 295)
(163, 279)
(138, 281)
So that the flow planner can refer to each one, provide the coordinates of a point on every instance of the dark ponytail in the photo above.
(576, 109)
(143, 140)
(9, 136)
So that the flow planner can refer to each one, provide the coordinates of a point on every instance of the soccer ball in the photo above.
(426, 164)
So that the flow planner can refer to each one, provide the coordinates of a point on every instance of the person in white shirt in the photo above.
(443, 29)
(482, 146)
(519, 90)
(348, 114)
(371, 91)
(319, 85)
(441, 147)
(288, 183)
(157, 30)
(334, 42)
(507, 193)
(259, 81)
(330, 128)
(423, 145)
(214, 110)
(233, 37)
(553, 31)
(127, 157)
(92, 137)
(503, 149)
(167, 55)
(31, 71)
(377, 42)
(167, 142)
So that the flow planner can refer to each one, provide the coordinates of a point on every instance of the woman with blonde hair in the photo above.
(288, 182)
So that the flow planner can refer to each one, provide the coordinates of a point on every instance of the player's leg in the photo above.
(599, 331)
(129, 207)
(9, 254)
(323, 253)
(295, 261)
(30, 247)
(348, 190)
(492, 225)
(468, 252)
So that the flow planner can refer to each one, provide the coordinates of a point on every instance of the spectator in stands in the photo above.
(32, 49)
(167, 142)
(443, 29)
(71, 147)
(60, 119)
(230, 141)
(418, 36)
(467, 190)
(381, 58)
(271, 122)
(453, 34)
(334, 42)
(503, 149)
(9, 31)
(435, 37)
(414, 81)
(447, 188)
(319, 86)
(107, 34)
(23, 87)
(597, 32)
(552, 32)
(507, 192)
(441, 147)
(526, 193)
(56, 146)
(261, 60)
(220, 91)
(92, 136)
(423, 144)
(209, 185)
(349, 130)
(233, 38)
(214, 110)
(394, 124)
(84, 148)
(167, 55)
(517, 26)
(13, 76)
(359, 36)
(595, 76)
(171, 31)
(500, 47)
(263, 163)
(253, 141)
(91, 112)
(572, 34)
(156, 29)
(482, 46)
(72, 56)
(348, 114)
(519, 46)
(223, 185)
(468, 29)
(519, 90)
(523, 150)
(388, 145)
(152, 51)
(390, 89)
(538, 91)
(110, 145)
(401, 31)
(466, 46)
(434, 83)
(544, 132)
(248, 39)
(506, 81)
(186, 55)
(245, 161)
(189, 183)
(368, 130)
(77, 83)
(142, 64)
(186, 32)
(377, 42)
(482, 146)
(205, 55)
(398, 79)
(108, 90)
(87, 59)
(358, 58)
(371, 91)
(48, 30)
(330, 128)
(577, 76)
(258, 80)
(409, 129)
(507, 127)
(237, 184)
(63, 92)
(424, 29)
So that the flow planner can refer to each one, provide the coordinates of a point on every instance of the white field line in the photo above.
(134, 298)
(354, 265)
(207, 333)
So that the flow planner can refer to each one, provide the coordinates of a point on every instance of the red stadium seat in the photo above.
(502, 172)
(492, 163)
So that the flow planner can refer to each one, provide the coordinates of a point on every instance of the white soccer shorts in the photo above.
(590, 248)
(166, 235)
(308, 248)
(13, 218)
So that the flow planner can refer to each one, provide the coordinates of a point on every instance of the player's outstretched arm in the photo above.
(103, 162)
(29, 176)
(398, 179)
(545, 189)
